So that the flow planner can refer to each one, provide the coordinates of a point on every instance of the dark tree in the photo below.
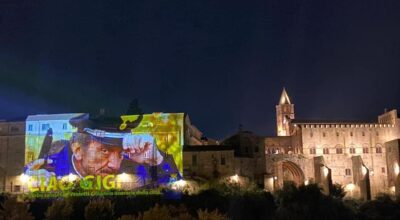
(134, 108)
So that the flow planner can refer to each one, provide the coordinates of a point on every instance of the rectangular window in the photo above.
(45, 127)
(14, 129)
(378, 150)
(323, 134)
(337, 134)
(348, 172)
(351, 134)
(312, 150)
(65, 126)
(339, 151)
(365, 150)
(352, 150)
(377, 133)
(194, 160)
(383, 170)
(311, 134)
(363, 133)
(30, 127)
(326, 151)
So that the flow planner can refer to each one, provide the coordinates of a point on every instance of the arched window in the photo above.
(378, 149)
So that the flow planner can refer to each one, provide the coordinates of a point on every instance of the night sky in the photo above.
(222, 62)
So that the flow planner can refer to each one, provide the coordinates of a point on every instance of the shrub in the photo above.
(60, 210)
(99, 209)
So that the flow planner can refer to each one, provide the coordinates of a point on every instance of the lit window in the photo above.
(348, 172)
(30, 127)
(65, 126)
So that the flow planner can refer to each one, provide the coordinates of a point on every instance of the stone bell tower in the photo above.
(284, 114)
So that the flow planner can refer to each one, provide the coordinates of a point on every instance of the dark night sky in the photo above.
(222, 62)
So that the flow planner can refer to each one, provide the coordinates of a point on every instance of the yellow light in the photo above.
(72, 177)
(235, 178)
(24, 178)
(123, 177)
(396, 169)
(364, 170)
(350, 187)
(179, 185)
(326, 171)
(306, 182)
(275, 178)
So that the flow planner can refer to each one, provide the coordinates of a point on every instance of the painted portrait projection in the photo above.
(65, 151)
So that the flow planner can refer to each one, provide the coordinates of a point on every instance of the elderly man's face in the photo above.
(98, 159)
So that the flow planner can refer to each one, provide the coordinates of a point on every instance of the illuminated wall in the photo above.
(62, 148)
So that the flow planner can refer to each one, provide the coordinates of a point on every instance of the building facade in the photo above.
(362, 156)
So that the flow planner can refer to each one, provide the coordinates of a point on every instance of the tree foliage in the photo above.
(11, 209)
(61, 209)
(99, 209)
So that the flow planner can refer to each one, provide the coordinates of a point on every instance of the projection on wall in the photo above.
(65, 151)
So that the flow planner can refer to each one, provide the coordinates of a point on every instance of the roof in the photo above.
(284, 98)
(194, 148)
(322, 121)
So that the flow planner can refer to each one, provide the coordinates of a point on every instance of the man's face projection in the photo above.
(98, 159)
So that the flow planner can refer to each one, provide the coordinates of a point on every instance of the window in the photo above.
(378, 150)
(351, 133)
(348, 172)
(45, 127)
(256, 149)
(14, 129)
(383, 170)
(365, 150)
(323, 134)
(312, 150)
(64, 126)
(339, 151)
(311, 134)
(377, 133)
(337, 134)
(194, 160)
(326, 150)
(352, 150)
(223, 160)
(363, 133)
(17, 188)
(30, 127)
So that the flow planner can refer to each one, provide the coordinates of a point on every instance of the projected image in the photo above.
(143, 149)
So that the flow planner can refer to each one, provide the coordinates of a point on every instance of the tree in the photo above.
(337, 191)
(60, 210)
(134, 108)
(99, 209)
(11, 209)
(214, 215)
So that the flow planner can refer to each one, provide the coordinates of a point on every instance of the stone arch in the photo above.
(292, 173)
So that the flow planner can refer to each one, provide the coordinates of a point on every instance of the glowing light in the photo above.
(179, 185)
(123, 177)
(24, 178)
(326, 171)
(306, 182)
(364, 170)
(235, 178)
(275, 178)
(350, 187)
(393, 189)
(396, 169)
(72, 177)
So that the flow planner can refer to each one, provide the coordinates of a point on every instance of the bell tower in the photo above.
(284, 114)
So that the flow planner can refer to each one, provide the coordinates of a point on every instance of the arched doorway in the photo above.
(292, 173)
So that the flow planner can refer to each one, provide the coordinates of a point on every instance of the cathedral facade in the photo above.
(361, 156)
